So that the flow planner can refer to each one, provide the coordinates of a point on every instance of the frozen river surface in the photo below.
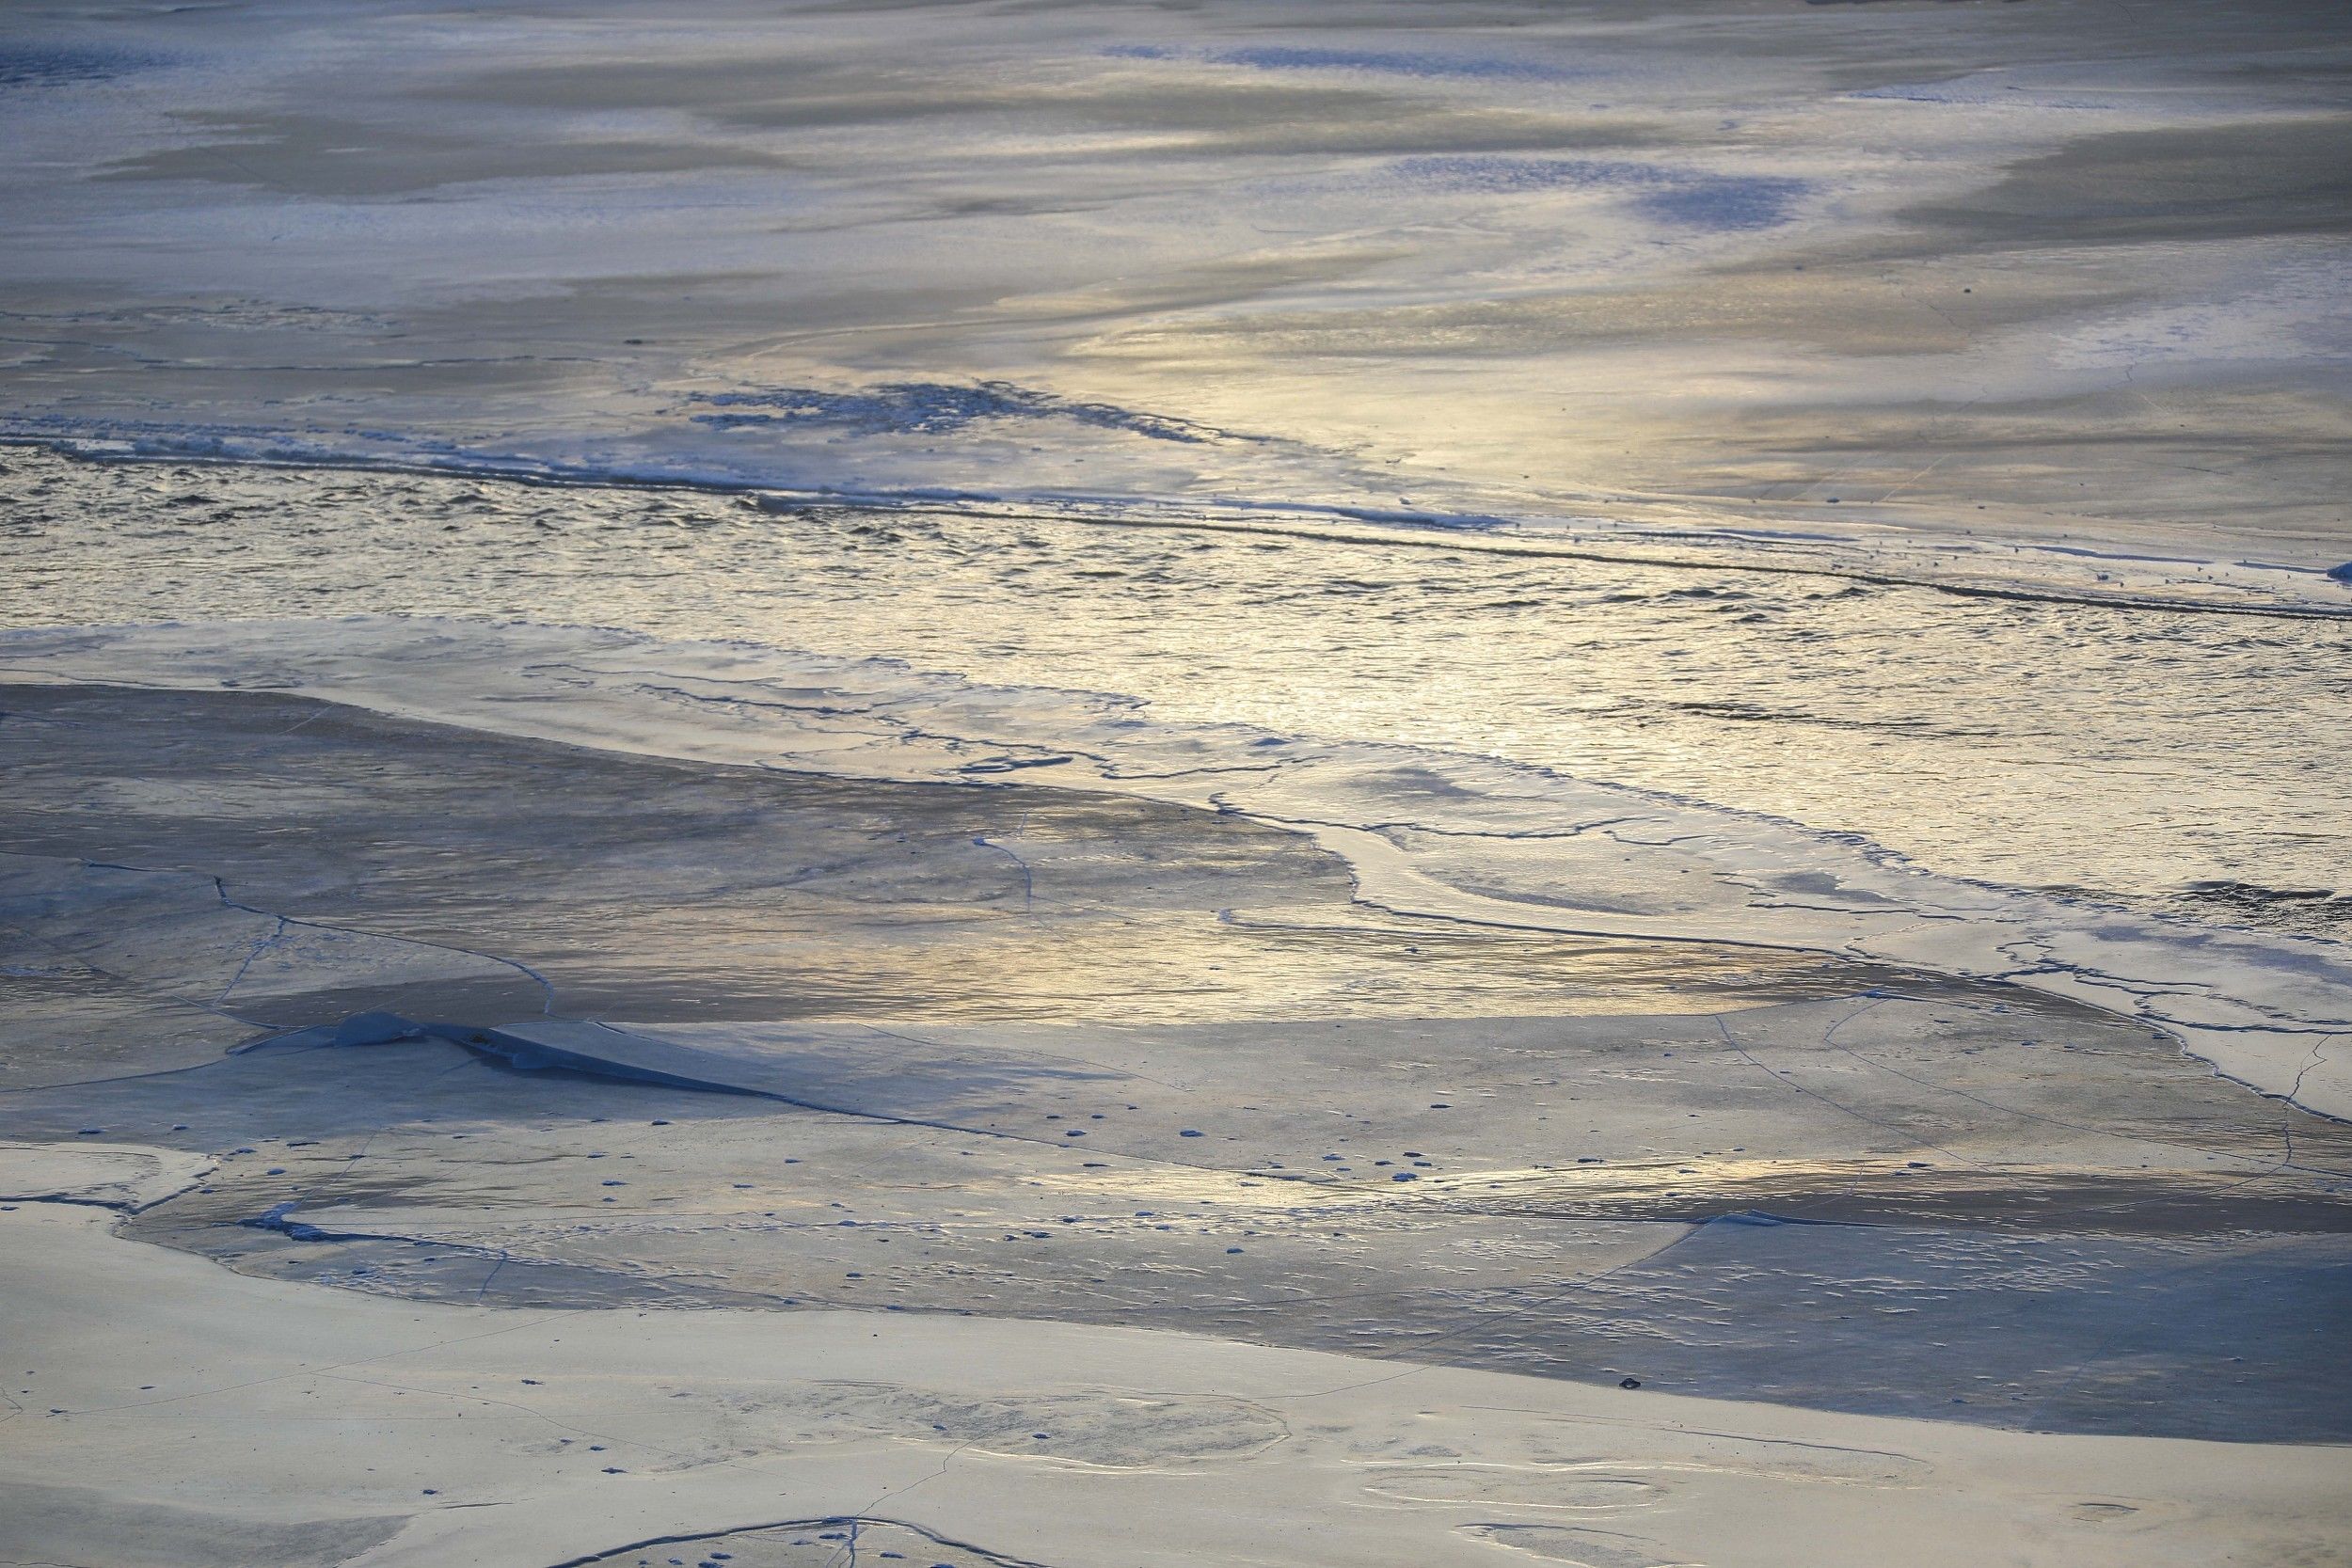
(1079, 786)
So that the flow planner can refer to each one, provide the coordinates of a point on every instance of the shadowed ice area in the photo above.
(705, 1035)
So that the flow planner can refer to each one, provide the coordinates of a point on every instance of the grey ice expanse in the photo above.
(786, 1040)
(425, 1142)
(1902, 285)
(1437, 784)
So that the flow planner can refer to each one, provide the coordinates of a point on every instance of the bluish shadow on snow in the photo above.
(1716, 202)
(1392, 62)
(2230, 1337)
(852, 1069)
(29, 64)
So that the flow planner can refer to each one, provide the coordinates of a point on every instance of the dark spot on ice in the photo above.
(1405, 1176)
(2341, 574)
(1189, 1133)
(1629, 1382)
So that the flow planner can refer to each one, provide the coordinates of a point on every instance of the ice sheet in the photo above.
(559, 1437)
(2160, 760)
(1477, 843)
(729, 1035)
(1963, 292)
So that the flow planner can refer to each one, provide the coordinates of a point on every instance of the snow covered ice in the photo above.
(1007, 787)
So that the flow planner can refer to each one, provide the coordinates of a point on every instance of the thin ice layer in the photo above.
(1966, 293)
(712, 1035)
(388, 1426)
(1480, 843)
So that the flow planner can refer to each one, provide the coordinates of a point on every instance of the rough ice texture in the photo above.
(2016, 740)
